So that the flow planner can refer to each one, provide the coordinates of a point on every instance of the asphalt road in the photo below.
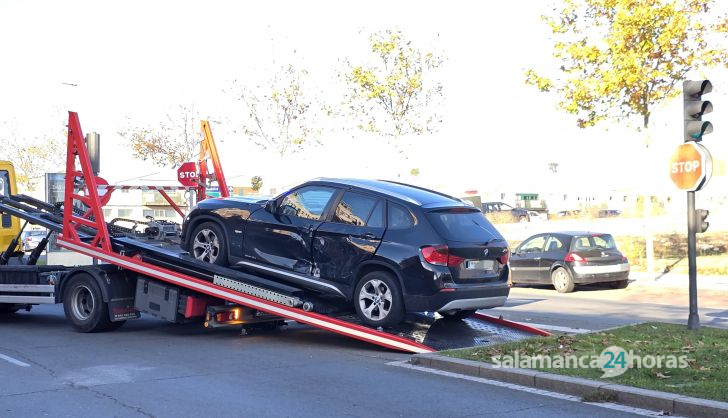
(152, 368)
(595, 308)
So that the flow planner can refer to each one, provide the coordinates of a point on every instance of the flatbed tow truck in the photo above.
(138, 274)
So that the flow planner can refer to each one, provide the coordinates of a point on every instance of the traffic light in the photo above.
(695, 107)
(701, 225)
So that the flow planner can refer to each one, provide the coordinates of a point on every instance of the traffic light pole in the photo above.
(693, 319)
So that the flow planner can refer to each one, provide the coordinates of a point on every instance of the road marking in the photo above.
(560, 329)
(14, 361)
(571, 398)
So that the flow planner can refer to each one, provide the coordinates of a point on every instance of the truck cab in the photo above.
(9, 225)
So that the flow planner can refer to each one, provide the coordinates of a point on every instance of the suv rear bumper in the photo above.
(458, 298)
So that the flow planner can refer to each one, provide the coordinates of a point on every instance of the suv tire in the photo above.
(207, 243)
(378, 299)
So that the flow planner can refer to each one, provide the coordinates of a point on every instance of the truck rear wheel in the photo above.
(84, 305)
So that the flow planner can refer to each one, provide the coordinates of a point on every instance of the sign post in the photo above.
(690, 169)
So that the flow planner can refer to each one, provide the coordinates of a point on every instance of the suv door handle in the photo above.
(536, 258)
(368, 235)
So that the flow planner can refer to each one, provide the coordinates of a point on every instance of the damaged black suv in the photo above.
(387, 248)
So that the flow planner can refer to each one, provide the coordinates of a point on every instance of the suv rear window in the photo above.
(593, 242)
(466, 225)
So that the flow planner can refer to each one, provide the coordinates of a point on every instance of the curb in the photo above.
(670, 403)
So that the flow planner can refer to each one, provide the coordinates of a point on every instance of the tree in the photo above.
(554, 167)
(31, 157)
(415, 172)
(256, 183)
(620, 58)
(280, 114)
(396, 94)
(175, 141)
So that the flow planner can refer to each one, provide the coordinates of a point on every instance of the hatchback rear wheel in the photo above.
(619, 284)
(562, 281)
(378, 299)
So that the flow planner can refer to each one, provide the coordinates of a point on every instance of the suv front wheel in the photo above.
(208, 244)
(378, 299)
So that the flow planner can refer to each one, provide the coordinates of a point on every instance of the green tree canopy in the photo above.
(618, 58)
(256, 182)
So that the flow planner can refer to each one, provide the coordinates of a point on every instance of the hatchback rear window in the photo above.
(593, 242)
(462, 224)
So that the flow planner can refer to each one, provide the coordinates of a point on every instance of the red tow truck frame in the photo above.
(83, 229)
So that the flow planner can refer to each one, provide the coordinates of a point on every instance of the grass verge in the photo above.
(706, 351)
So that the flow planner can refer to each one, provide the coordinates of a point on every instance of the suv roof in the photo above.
(407, 192)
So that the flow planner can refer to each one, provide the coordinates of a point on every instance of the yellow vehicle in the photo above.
(9, 225)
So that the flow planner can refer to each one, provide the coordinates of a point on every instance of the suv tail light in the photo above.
(574, 257)
(505, 257)
(439, 255)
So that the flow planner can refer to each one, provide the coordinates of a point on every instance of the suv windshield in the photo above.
(593, 242)
(466, 225)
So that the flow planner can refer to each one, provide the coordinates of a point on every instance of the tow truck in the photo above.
(140, 271)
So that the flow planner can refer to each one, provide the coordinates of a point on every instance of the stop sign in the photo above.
(691, 166)
(187, 174)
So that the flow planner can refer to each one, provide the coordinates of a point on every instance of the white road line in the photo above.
(571, 398)
(560, 329)
(14, 361)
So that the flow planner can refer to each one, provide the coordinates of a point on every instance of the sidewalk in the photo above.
(679, 280)
(664, 403)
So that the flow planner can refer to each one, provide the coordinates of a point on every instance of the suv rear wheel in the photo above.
(378, 300)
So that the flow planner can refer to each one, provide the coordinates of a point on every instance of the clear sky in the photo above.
(139, 59)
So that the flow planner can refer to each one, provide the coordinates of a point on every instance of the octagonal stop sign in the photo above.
(187, 174)
(691, 166)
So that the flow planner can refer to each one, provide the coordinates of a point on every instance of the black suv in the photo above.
(388, 248)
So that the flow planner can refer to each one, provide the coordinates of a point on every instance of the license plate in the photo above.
(479, 264)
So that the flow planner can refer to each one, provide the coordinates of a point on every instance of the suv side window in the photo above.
(354, 209)
(376, 219)
(399, 217)
(307, 202)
